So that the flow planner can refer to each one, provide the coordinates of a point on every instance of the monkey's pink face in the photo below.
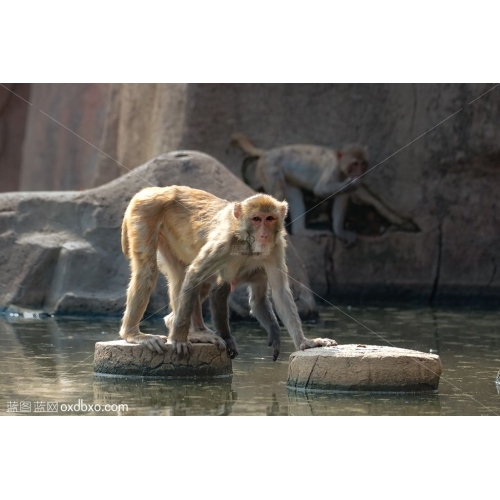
(264, 228)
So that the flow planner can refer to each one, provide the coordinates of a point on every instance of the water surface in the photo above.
(51, 361)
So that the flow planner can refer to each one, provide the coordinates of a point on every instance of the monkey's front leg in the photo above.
(199, 272)
(287, 310)
(340, 203)
(198, 335)
(297, 210)
(262, 309)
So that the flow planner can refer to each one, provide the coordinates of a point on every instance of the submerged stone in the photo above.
(119, 358)
(363, 368)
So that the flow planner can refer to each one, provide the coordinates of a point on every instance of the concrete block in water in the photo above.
(363, 368)
(119, 358)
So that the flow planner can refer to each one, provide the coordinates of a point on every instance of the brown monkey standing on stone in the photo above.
(284, 171)
(198, 240)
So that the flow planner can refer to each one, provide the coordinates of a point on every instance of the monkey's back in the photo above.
(301, 164)
(182, 215)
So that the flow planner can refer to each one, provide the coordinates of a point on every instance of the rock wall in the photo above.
(436, 147)
(13, 114)
(64, 119)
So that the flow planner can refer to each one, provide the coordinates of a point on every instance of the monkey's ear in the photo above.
(284, 209)
(237, 210)
(339, 154)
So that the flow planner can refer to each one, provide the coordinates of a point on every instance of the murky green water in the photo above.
(49, 361)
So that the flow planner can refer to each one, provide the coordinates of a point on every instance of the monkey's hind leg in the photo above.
(144, 275)
(220, 316)
(197, 323)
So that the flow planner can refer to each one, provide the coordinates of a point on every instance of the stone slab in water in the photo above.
(120, 358)
(370, 368)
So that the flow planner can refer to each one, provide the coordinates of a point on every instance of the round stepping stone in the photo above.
(363, 368)
(119, 358)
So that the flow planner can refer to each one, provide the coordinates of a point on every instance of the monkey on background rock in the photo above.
(206, 246)
(284, 171)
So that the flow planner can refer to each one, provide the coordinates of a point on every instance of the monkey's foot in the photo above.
(182, 348)
(154, 342)
(310, 343)
(207, 338)
(231, 347)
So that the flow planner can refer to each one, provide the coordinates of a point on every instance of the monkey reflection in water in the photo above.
(289, 172)
(206, 246)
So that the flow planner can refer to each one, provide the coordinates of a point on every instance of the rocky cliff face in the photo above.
(60, 252)
(13, 114)
(436, 147)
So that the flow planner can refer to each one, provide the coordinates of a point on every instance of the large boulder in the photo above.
(60, 252)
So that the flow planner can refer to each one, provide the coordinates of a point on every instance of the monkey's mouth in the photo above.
(261, 247)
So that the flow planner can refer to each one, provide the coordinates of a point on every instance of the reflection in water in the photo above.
(44, 360)
(176, 397)
(306, 404)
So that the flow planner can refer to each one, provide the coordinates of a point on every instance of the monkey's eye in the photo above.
(256, 219)
(270, 218)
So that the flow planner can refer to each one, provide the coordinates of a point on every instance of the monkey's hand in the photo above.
(348, 237)
(207, 338)
(156, 343)
(275, 341)
(309, 344)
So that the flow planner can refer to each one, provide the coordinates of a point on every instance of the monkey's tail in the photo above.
(125, 245)
(242, 141)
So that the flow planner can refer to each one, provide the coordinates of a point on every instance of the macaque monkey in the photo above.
(284, 171)
(206, 246)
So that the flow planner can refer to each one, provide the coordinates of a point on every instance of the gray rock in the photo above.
(363, 368)
(60, 252)
(121, 358)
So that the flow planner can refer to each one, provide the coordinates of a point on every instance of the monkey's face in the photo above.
(353, 160)
(354, 166)
(260, 220)
(263, 227)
